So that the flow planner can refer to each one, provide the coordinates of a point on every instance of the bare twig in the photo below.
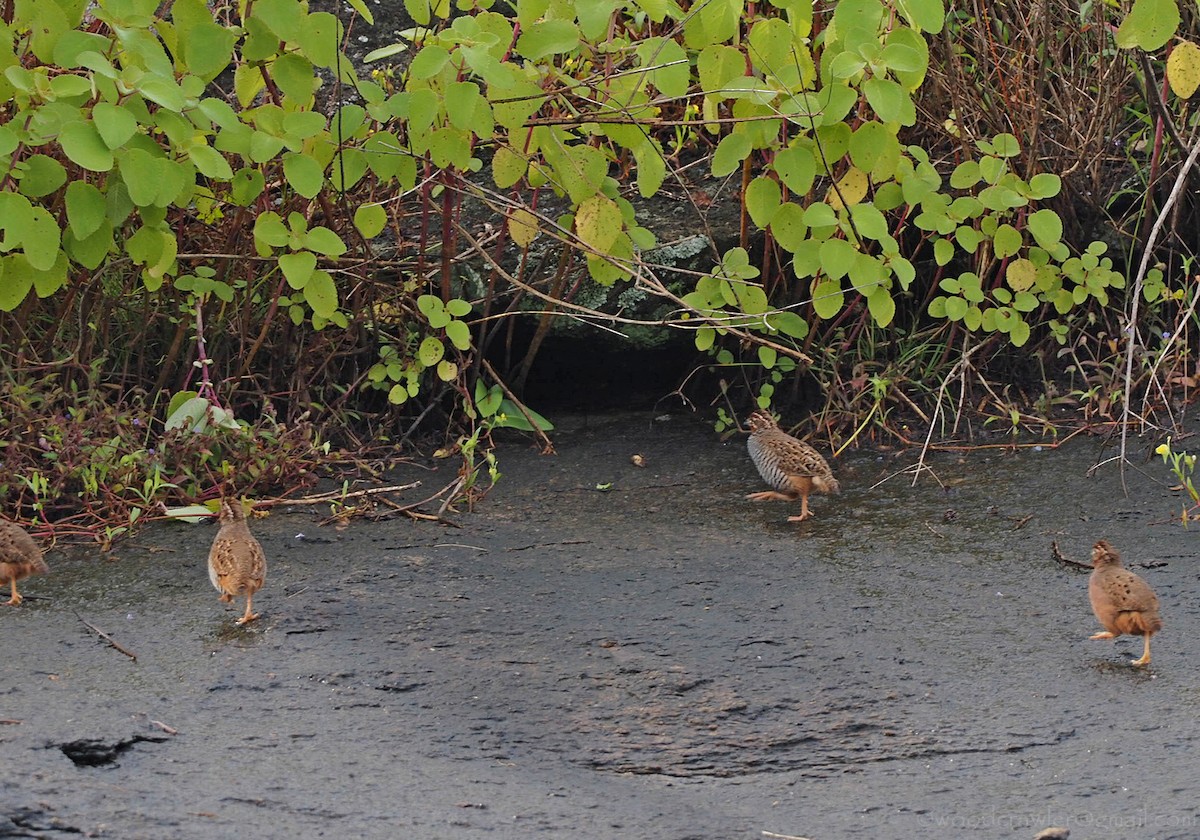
(115, 644)
(339, 495)
(1070, 564)
(1135, 298)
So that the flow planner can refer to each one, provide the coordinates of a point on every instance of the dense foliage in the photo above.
(211, 215)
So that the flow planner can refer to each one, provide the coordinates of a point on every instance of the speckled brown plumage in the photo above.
(789, 465)
(236, 562)
(1122, 601)
(20, 557)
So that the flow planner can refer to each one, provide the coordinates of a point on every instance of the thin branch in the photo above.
(113, 642)
(1136, 299)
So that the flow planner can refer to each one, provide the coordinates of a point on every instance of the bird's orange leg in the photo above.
(1104, 635)
(16, 598)
(770, 496)
(249, 615)
(805, 513)
(1145, 660)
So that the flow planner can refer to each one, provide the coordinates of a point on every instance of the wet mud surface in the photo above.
(660, 660)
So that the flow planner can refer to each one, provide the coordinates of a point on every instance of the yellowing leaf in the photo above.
(850, 189)
(1020, 275)
(1183, 69)
(598, 222)
(522, 227)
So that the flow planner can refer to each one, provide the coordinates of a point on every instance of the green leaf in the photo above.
(419, 11)
(965, 175)
(321, 294)
(324, 241)
(269, 230)
(246, 186)
(548, 37)
(651, 168)
(1007, 241)
(672, 74)
(300, 125)
(429, 62)
(459, 335)
(881, 306)
(140, 171)
(208, 49)
(82, 143)
(869, 222)
(210, 163)
(718, 65)
(922, 15)
(1006, 145)
(870, 142)
(86, 209)
(303, 173)
(431, 351)
(888, 99)
(298, 268)
(594, 17)
(788, 227)
(348, 167)
(1045, 185)
(15, 282)
(819, 215)
(730, 153)
(828, 298)
(41, 175)
(789, 323)
(370, 219)
(1149, 25)
(115, 124)
(1019, 333)
(460, 100)
(770, 45)
(89, 251)
(797, 168)
(1046, 227)
(41, 240)
(319, 37)
(434, 311)
(762, 200)
(837, 257)
(458, 307)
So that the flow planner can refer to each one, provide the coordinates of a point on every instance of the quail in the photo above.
(789, 465)
(20, 557)
(1122, 601)
(236, 563)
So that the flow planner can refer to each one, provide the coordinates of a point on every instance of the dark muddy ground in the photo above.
(662, 660)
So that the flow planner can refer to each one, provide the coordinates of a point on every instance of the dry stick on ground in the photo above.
(410, 510)
(339, 495)
(1070, 564)
(1136, 299)
(117, 645)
